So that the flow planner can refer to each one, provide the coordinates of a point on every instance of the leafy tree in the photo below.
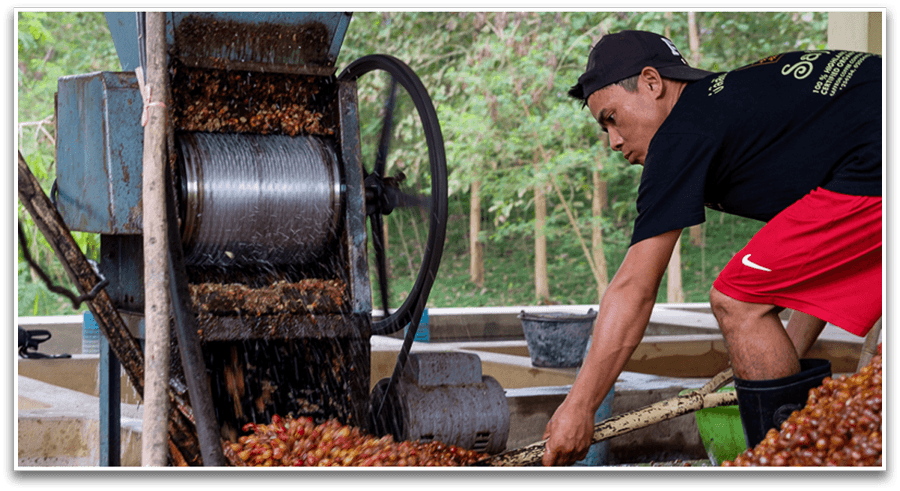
(498, 81)
(510, 128)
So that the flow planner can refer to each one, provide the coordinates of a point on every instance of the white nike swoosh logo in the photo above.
(747, 262)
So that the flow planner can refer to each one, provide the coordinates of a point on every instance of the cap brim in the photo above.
(683, 72)
(675, 72)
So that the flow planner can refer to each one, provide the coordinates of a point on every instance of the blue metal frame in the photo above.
(123, 27)
(110, 407)
(99, 169)
(100, 147)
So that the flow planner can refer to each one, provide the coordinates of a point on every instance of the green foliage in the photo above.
(498, 81)
(51, 45)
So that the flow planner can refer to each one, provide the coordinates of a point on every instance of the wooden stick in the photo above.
(870, 346)
(705, 397)
(51, 224)
(177, 458)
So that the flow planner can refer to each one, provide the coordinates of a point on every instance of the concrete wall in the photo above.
(59, 427)
(65, 332)
(856, 31)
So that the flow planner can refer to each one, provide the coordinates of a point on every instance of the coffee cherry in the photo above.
(289, 441)
(840, 426)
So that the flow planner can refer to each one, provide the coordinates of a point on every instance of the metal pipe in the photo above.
(154, 448)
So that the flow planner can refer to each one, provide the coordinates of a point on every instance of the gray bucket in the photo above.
(557, 339)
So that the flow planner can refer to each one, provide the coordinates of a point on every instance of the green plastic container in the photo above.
(721, 431)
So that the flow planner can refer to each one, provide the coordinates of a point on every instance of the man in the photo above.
(793, 140)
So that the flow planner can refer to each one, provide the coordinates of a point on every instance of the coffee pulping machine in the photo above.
(269, 195)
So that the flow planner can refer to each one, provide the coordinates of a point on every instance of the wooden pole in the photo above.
(154, 446)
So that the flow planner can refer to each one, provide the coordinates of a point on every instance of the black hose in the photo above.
(195, 374)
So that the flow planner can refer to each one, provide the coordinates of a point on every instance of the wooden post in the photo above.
(154, 447)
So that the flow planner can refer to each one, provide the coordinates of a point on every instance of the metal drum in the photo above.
(257, 199)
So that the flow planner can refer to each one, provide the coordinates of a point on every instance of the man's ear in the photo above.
(651, 80)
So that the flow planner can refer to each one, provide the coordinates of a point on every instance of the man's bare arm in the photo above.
(624, 313)
(622, 319)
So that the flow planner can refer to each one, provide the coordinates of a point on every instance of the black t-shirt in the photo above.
(752, 141)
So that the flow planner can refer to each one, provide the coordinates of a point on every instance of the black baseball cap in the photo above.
(624, 54)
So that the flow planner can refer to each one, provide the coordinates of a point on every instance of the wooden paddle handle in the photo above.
(633, 420)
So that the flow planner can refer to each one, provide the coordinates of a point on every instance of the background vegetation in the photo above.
(514, 139)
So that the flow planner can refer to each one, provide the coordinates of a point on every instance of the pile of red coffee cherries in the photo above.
(840, 426)
(300, 442)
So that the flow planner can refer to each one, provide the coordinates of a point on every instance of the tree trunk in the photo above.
(476, 248)
(696, 231)
(541, 283)
(694, 38)
(674, 290)
(597, 207)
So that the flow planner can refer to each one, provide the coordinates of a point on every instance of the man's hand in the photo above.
(569, 434)
(624, 313)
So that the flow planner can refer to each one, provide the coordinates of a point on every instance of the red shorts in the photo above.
(821, 255)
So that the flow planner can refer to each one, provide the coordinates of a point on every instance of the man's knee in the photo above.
(720, 303)
(728, 310)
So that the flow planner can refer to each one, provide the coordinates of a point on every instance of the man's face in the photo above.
(630, 118)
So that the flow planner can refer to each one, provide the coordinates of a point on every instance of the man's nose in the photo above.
(615, 140)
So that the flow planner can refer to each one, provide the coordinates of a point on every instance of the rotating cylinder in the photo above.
(443, 396)
(251, 199)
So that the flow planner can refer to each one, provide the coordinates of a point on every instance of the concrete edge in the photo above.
(69, 403)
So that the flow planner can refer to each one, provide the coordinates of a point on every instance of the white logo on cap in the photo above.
(672, 47)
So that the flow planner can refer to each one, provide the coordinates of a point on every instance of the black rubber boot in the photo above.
(765, 404)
